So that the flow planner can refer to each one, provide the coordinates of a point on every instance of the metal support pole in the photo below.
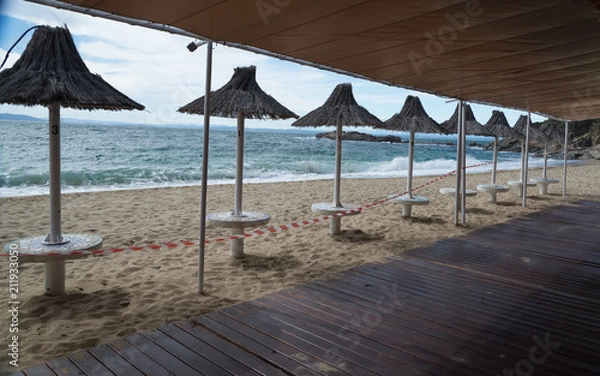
(204, 183)
(411, 155)
(566, 147)
(338, 166)
(458, 164)
(55, 235)
(544, 175)
(526, 159)
(239, 166)
(463, 197)
(494, 166)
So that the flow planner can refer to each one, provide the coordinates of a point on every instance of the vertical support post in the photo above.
(237, 245)
(526, 159)
(566, 150)
(338, 166)
(55, 235)
(204, 183)
(544, 176)
(463, 197)
(495, 165)
(411, 155)
(239, 166)
(54, 278)
(458, 163)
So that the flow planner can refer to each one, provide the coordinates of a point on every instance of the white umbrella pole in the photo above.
(204, 183)
(565, 159)
(545, 160)
(239, 165)
(55, 235)
(526, 159)
(411, 155)
(458, 164)
(338, 166)
(463, 191)
(495, 165)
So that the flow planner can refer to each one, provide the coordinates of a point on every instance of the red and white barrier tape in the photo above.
(262, 231)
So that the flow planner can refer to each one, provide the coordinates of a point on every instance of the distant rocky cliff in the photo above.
(584, 138)
(359, 136)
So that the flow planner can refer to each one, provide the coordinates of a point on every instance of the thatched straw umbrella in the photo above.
(472, 126)
(412, 118)
(553, 135)
(50, 72)
(240, 98)
(498, 126)
(340, 109)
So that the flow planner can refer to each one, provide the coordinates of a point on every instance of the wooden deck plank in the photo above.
(233, 359)
(520, 294)
(144, 363)
(113, 361)
(64, 367)
(185, 354)
(89, 364)
(274, 353)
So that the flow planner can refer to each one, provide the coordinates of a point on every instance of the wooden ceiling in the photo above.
(537, 55)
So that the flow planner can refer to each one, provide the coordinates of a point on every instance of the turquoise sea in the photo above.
(98, 157)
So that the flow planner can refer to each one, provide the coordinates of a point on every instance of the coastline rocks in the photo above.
(359, 136)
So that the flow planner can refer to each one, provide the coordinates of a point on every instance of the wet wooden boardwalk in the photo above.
(521, 298)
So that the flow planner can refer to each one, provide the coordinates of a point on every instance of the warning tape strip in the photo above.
(262, 231)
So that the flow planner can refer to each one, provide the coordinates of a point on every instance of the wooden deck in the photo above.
(520, 298)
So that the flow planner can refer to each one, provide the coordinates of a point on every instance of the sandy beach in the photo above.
(113, 296)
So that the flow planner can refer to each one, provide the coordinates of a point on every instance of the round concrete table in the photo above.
(519, 185)
(407, 203)
(327, 208)
(237, 224)
(33, 249)
(493, 190)
(543, 184)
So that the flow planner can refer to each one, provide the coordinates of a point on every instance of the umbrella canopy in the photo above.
(339, 108)
(241, 94)
(498, 126)
(51, 70)
(552, 129)
(412, 118)
(535, 134)
(472, 126)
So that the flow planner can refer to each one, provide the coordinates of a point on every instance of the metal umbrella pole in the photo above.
(204, 182)
(566, 149)
(458, 163)
(463, 191)
(526, 159)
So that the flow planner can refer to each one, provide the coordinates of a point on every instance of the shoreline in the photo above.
(113, 296)
(399, 175)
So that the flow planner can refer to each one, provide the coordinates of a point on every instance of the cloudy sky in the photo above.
(155, 69)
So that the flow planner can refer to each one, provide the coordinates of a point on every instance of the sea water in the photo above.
(97, 157)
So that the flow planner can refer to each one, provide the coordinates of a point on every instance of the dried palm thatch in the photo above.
(472, 126)
(340, 107)
(241, 95)
(498, 125)
(51, 70)
(535, 134)
(554, 130)
(413, 118)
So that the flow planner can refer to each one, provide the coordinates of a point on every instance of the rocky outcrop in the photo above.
(359, 136)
